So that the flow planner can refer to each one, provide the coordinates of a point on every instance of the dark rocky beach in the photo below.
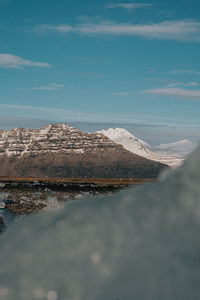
(21, 197)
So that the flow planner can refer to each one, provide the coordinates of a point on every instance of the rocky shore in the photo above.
(22, 197)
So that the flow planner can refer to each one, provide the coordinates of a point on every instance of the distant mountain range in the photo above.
(58, 150)
(171, 154)
(181, 148)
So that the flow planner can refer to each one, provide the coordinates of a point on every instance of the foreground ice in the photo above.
(140, 244)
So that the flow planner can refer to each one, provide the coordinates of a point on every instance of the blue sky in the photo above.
(101, 61)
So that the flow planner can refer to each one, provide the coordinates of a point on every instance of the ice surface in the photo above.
(141, 244)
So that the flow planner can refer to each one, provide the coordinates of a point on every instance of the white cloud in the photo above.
(185, 72)
(189, 84)
(57, 28)
(129, 5)
(180, 30)
(192, 84)
(121, 93)
(15, 62)
(175, 92)
(50, 87)
(172, 85)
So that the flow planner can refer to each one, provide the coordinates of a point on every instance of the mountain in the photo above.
(140, 147)
(126, 139)
(58, 150)
(180, 148)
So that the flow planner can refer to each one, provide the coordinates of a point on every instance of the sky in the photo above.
(104, 62)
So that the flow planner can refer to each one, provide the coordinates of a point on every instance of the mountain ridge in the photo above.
(59, 150)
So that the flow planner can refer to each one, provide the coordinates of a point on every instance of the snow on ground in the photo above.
(142, 243)
(140, 147)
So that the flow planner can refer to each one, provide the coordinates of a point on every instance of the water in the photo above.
(20, 203)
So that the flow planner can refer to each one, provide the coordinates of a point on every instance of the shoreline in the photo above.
(36, 181)
(27, 195)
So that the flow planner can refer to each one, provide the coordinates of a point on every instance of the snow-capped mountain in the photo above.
(53, 138)
(140, 147)
(180, 148)
(58, 150)
(126, 139)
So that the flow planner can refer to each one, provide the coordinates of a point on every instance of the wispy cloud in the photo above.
(50, 113)
(175, 92)
(50, 87)
(185, 72)
(64, 115)
(129, 5)
(125, 93)
(172, 83)
(179, 30)
(188, 84)
(45, 28)
(191, 84)
(16, 62)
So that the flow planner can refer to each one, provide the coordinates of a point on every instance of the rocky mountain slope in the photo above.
(59, 150)
(140, 147)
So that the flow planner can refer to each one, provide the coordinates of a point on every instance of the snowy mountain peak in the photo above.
(117, 132)
(121, 133)
(128, 141)
(140, 147)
